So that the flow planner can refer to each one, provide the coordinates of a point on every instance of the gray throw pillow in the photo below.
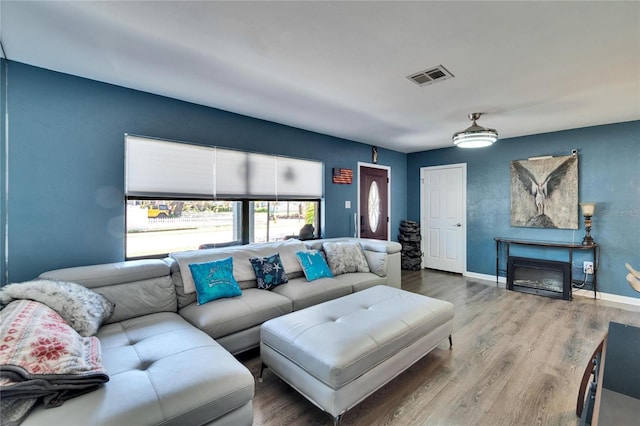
(345, 256)
(83, 309)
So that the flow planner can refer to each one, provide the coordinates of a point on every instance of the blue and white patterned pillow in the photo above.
(313, 265)
(269, 271)
(214, 280)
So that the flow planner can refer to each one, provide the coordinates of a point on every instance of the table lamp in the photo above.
(587, 212)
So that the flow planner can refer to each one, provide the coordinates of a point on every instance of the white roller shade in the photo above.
(231, 173)
(262, 176)
(162, 168)
(299, 178)
(172, 169)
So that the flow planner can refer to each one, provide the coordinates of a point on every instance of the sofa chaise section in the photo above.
(162, 369)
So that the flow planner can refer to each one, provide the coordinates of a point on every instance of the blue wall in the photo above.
(609, 174)
(66, 168)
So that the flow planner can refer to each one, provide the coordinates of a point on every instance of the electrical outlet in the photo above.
(587, 267)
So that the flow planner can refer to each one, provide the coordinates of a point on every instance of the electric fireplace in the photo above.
(537, 276)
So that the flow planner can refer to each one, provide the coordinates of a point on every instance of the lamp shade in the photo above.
(475, 136)
(588, 209)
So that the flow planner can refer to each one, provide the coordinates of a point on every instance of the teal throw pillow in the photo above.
(214, 280)
(269, 271)
(313, 265)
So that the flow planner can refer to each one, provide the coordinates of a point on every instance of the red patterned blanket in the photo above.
(42, 357)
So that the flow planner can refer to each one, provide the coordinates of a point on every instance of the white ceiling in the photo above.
(340, 68)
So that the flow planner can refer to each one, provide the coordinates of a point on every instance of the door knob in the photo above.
(458, 225)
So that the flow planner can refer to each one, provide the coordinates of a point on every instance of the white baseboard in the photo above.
(607, 296)
(502, 282)
(492, 278)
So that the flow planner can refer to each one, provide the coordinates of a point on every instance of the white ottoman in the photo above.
(339, 352)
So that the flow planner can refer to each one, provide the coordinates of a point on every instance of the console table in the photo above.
(570, 247)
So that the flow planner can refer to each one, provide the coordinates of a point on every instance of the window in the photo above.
(184, 197)
(164, 226)
(279, 220)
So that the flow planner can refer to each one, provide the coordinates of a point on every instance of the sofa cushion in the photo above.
(225, 316)
(214, 280)
(303, 293)
(361, 280)
(140, 298)
(184, 299)
(162, 371)
(313, 265)
(269, 271)
(377, 262)
(344, 257)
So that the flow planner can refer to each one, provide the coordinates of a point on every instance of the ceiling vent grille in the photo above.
(430, 76)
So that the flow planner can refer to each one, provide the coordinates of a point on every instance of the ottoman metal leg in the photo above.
(450, 342)
(337, 420)
(262, 367)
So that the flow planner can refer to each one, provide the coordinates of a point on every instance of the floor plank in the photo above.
(517, 359)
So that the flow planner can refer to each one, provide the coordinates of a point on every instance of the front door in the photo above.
(443, 217)
(374, 202)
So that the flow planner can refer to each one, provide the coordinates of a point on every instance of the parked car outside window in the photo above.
(160, 211)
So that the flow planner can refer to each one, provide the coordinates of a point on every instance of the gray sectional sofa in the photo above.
(170, 360)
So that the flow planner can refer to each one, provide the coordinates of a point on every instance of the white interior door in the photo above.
(443, 199)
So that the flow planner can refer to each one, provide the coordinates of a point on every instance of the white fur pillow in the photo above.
(344, 257)
(82, 308)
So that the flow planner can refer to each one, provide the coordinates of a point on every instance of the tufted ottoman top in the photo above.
(339, 340)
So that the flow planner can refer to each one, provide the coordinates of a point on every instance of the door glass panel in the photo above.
(373, 204)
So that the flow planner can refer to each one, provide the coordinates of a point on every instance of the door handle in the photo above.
(458, 225)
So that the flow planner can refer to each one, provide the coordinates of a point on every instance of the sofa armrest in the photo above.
(94, 276)
(394, 270)
(381, 246)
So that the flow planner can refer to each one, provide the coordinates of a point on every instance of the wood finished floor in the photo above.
(517, 359)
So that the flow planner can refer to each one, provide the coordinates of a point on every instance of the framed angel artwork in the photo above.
(544, 192)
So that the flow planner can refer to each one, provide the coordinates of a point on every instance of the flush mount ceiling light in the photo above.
(475, 136)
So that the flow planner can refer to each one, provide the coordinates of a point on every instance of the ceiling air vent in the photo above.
(430, 76)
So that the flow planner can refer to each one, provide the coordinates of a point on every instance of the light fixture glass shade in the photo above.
(588, 209)
(475, 136)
